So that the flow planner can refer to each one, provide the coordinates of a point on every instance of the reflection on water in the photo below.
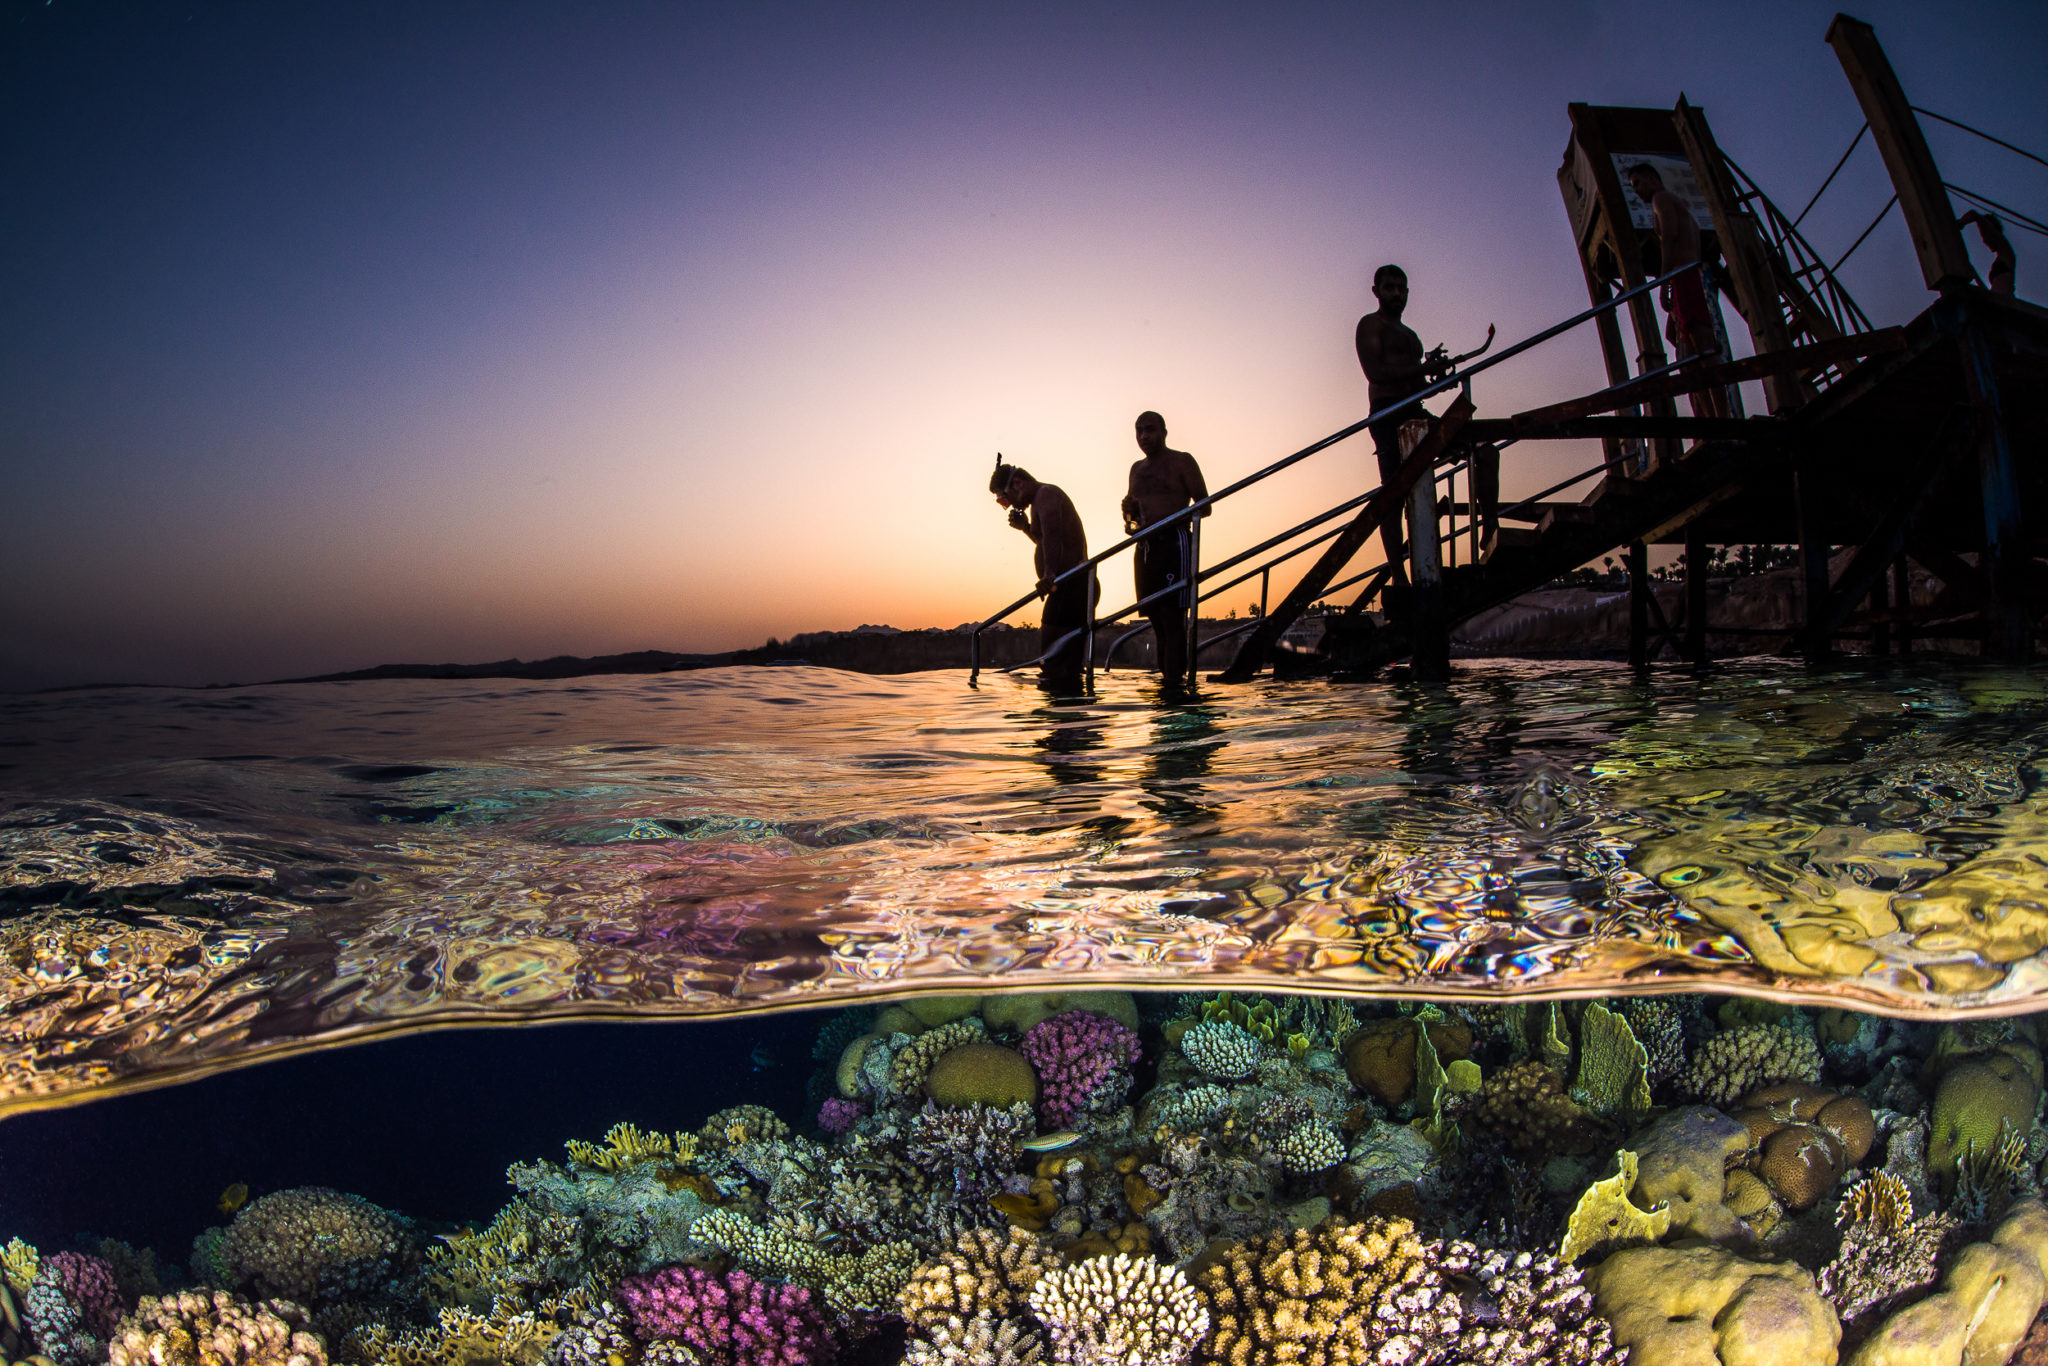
(191, 877)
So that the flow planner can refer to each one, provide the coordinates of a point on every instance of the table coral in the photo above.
(311, 1244)
(1082, 1060)
(728, 1320)
(215, 1328)
(1119, 1309)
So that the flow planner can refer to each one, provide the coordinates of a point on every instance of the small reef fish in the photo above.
(761, 1058)
(1047, 1143)
(233, 1198)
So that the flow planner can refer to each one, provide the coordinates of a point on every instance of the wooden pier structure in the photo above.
(1926, 442)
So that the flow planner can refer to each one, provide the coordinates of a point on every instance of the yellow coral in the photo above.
(1975, 1102)
(626, 1146)
(1614, 1068)
(1605, 1217)
(985, 1273)
(19, 1263)
(981, 1074)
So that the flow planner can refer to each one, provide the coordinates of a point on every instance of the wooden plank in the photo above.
(1712, 376)
(1387, 502)
(1937, 241)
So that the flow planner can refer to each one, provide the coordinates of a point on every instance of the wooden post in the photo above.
(1880, 625)
(1902, 603)
(1944, 261)
(1695, 596)
(1750, 269)
(1430, 633)
(1813, 562)
(2008, 629)
(1638, 605)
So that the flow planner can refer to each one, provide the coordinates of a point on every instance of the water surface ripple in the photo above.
(194, 878)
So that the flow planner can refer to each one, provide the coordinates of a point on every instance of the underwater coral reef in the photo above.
(1093, 1178)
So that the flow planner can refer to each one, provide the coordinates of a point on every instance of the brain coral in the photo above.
(982, 1074)
(1748, 1056)
(907, 1069)
(216, 1328)
(1976, 1100)
(313, 1244)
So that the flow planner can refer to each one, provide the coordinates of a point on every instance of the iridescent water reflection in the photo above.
(192, 878)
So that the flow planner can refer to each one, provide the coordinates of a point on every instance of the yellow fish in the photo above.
(233, 1198)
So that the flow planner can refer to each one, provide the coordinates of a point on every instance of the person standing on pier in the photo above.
(1045, 514)
(1689, 324)
(1162, 483)
(2003, 271)
(1395, 366)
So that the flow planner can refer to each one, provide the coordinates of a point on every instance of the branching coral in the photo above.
(1082, 1060)
(312, 1243)
(869, 1283)
(1121, 1309)
(728, 1320)
(1748, 1056)
(908, 1067)
(215, 1328)
(986, 1274)
(1309, 1147)
(1221, 1050)
(508, 1335)
(72, 1308)
(977, 1342)
(626, 1146)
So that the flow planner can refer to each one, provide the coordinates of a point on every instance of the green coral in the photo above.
(1978, 1098)
(1614, 1069)
(1261, 1019)
(1606, 1218)
(19, 1264)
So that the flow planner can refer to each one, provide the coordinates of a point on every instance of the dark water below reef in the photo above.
(194, 878)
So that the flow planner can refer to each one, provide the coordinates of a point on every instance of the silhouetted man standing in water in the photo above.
(1163, 483)
(1395, 367)
(1045, 514)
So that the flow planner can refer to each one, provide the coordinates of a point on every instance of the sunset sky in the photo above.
(338, 334)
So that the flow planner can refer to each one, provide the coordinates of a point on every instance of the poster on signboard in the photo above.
(1678, 178)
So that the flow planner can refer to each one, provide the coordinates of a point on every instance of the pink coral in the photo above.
(88, 1282)
(1080, 1058)
(836, 1116)
(729, 1320)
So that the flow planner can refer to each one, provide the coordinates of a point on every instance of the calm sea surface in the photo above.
(190, 878)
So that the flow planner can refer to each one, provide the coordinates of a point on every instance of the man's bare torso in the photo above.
(1163, 484)
(1391, 355)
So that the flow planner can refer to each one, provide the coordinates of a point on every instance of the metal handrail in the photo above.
(1201, 506)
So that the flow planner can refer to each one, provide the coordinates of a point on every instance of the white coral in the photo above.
(1120, 1311)
(1221, 1049)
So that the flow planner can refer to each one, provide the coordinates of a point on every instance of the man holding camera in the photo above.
(1045, 514)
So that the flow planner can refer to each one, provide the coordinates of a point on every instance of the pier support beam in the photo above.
(1638, 605)
(1695, 597)
(1818, 636)
(1902, 603)
(2008, 626)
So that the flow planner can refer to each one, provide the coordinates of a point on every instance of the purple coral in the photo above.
(728, 1320)
(836, 1116)
(1080, 1059)
(72, 1307)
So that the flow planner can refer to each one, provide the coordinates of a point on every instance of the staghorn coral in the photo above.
(728, 1320)
(1886, 1253)
(1309, 1147)
(977, 1342)
(1083, 1061)
(1221, 1050)
(907, 1068)
(523, 1252)
(1119, 1311)
(1748, 1056)
(986, 1274)
(1344, 1295)
(72, 1308)
(215, 1328)
(312, 1244)
(509, 1335)
(626, 1146)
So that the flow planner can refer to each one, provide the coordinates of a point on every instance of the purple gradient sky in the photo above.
(337, 335)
